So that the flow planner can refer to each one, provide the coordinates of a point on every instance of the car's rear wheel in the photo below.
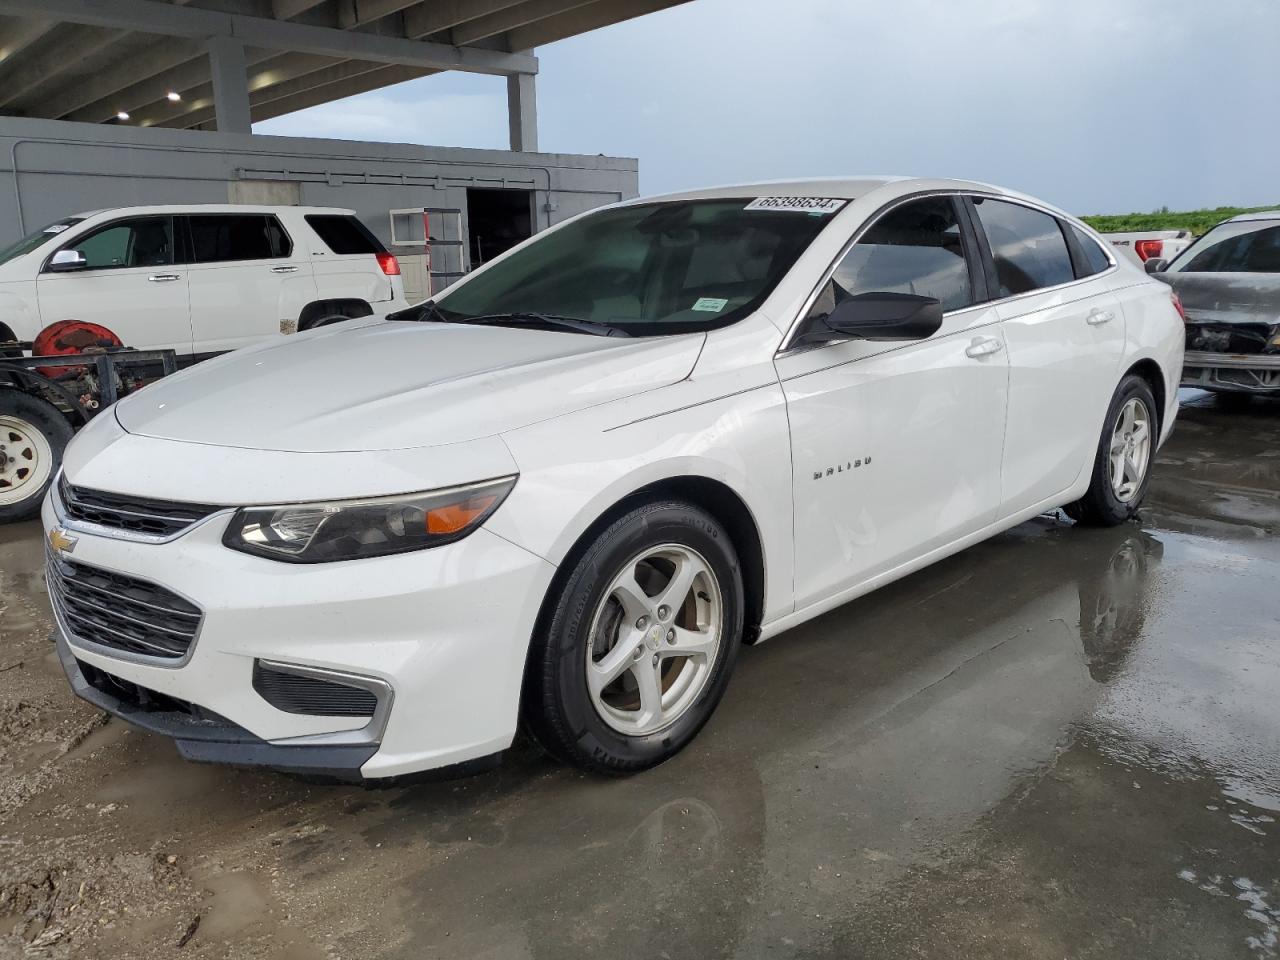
(1122, 466)
(640, 643)
(33, 434)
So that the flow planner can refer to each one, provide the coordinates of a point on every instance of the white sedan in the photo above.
(568, 490)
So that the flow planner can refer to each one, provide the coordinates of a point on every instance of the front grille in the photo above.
(121, 612)
(1232, 337)
(135, 514)
(311, 696)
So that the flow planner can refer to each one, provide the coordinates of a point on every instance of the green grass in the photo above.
(1197, 221)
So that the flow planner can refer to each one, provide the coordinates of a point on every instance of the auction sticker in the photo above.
(818, 205)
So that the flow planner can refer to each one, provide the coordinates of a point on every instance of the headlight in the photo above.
(353, 529)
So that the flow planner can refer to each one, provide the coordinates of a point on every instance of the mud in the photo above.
(1063, 742)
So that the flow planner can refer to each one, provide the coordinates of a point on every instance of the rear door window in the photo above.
(225, 237)
(1027, 245)
(344, 234)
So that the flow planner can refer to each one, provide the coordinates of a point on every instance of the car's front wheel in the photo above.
(640, 643)
(1122, 465)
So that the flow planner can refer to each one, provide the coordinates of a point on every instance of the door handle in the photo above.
(1097, 317)
(284, 269)
(163, 277)
(983, 347)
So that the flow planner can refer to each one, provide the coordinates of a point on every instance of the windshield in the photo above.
(33, 240)
(1241, 246)
(654, 268)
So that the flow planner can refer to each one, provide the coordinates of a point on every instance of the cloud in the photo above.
(1098, 105)
(412, 113)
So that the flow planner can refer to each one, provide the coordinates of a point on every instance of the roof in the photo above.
(1256, 215)
(845, 188)
(214, 208)
(88, 60)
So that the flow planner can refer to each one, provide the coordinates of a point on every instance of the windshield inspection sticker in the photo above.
(819, 205)
(710, 304)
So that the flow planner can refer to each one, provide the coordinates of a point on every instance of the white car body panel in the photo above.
(240, 302)
(129, 302)
(953, 447)
(205, 308)
(413, 367)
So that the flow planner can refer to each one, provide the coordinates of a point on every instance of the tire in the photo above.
(1104, 504)
(613, 727)
(33, 435)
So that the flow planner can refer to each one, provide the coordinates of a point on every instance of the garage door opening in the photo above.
(497, 221)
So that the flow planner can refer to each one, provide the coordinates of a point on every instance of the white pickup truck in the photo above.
(1150, 244)
(198, 279)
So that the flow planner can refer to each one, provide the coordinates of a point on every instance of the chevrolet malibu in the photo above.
(567, 491)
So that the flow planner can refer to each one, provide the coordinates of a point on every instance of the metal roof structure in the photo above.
(223, 64)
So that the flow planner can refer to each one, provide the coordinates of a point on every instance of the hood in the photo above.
(1228, 297)
(399, 385)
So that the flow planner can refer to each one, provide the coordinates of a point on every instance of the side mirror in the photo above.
(878, 316)
(65, 260)
(1155, 265)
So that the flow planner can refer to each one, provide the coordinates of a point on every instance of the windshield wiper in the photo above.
(555, 321)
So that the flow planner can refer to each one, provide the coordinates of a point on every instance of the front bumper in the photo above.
(209, 738)
(1245, 372)
(445, 631)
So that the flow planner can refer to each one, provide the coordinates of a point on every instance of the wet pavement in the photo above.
(1061, 743)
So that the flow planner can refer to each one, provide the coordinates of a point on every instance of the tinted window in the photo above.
(1095, 258)
(915, 248)
(344, 234)
(1246, 246)
(1028, 246)
(652, 268)
(143, 242)
(220, 237)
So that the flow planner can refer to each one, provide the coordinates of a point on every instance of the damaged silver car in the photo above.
(1229, 285)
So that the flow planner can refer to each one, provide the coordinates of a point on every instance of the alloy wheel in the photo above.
(654, 639)
(1130, 452)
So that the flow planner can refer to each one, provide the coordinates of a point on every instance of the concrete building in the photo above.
(117, 102)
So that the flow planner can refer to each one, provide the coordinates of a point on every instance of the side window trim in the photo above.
(186, 246)
(983, 263)
(106, 225)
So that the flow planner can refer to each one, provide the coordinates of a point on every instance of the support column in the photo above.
(522, 112)
(230, 85)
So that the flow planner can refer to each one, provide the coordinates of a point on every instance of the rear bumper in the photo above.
(1248, 373)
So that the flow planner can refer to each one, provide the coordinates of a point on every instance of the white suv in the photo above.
(201, 279)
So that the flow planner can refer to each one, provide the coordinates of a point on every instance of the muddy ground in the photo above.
(1060, 743)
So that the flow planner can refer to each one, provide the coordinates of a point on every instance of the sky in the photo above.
(1098, 106)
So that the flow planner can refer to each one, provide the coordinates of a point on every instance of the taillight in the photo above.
(1177, 305)
(389, 264)
(1146, 249)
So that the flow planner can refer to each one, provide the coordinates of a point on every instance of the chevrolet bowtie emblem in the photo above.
(61, 541)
